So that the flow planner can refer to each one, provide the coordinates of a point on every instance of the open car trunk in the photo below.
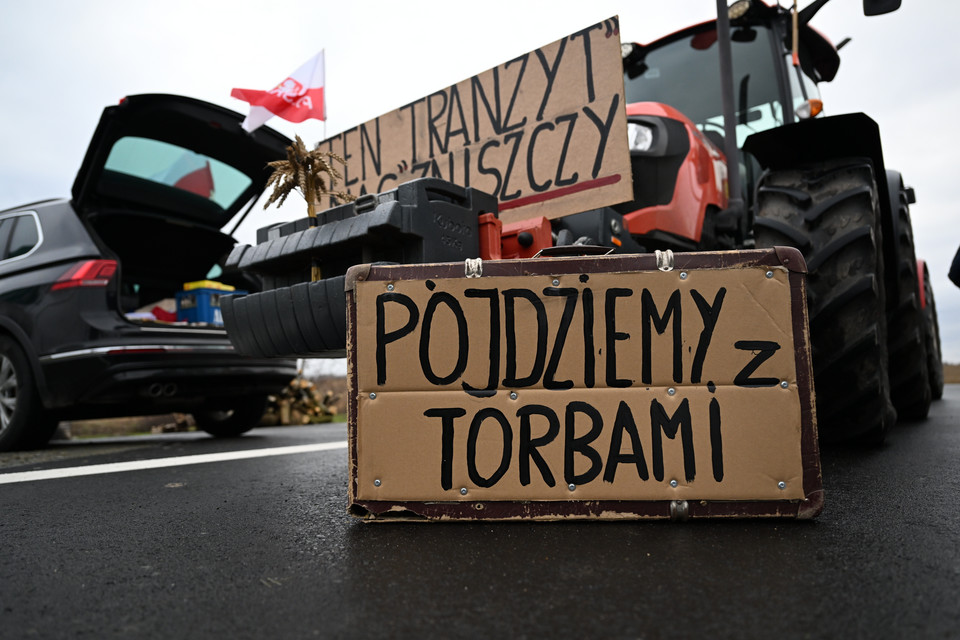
(157, 256)
(162, 176)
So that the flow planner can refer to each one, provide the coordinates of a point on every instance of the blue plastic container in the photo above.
(201, 305)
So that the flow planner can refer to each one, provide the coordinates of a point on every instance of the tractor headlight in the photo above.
(639, 136)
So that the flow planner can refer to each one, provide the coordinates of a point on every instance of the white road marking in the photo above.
(159, 463)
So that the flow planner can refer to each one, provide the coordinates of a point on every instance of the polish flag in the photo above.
(296, 99)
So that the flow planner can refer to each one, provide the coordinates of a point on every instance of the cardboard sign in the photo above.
(607, 383)
(545, 132)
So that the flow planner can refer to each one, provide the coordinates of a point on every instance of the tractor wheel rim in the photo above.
(8, 392)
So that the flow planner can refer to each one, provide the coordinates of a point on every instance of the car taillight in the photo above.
(92, 273)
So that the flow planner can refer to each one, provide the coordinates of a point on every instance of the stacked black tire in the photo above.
(870, 357)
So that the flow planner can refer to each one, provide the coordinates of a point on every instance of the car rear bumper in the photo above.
(149, 378)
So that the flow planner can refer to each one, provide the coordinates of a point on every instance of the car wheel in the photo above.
(229, 423)
(22, 423)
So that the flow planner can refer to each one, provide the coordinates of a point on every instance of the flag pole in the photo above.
(323, 58)
(315, 272)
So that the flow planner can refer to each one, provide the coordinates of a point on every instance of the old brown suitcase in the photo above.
(610, 387)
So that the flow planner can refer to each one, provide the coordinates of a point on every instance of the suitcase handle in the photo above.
(573, 250)
(366, 202)
(447, 192)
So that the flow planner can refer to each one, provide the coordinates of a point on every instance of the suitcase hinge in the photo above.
(664, 260)
(679, 510)
(473, 267)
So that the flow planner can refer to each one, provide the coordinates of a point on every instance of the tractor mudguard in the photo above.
(810, 141)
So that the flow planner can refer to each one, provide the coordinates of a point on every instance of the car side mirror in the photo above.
(879, 7)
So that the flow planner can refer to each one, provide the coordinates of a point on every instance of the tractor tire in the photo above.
(931, 336)
(230, 423)
(831, 214)
(909, 380)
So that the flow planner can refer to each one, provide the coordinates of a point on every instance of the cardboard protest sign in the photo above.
(594, 381)
(545, 132)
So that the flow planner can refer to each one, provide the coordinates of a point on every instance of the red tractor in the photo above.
(729, 150)
(816, 183)
(800, 179)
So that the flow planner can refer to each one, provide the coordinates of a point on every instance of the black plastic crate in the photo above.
(426, 220)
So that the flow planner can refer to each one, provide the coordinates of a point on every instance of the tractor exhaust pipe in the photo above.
(735, 201)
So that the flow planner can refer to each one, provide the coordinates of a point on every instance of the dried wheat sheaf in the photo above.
(304, 170)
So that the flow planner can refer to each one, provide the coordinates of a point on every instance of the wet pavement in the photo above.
(264, 548)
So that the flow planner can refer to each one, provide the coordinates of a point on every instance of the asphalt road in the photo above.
(263, 547)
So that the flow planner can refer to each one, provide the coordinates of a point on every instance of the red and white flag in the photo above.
(296, 99)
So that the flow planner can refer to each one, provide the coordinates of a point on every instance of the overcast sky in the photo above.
(64, 61)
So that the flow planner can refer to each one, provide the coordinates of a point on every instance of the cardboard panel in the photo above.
(631, 340)
(545, 132)
(609, 383)
(535, 447)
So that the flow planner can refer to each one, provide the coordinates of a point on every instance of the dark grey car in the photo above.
(86, 283)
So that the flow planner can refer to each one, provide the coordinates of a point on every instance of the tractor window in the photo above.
(685, 74)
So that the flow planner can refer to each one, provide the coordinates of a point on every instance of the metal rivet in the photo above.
(463, 491)
(784, 384)
(389, 287)
(556, 282)
(782, 484)
(769, 274)
(674, 483)
(373, 396)
(572, 487)
(513, 395)
(376, 482)
(683, 275)
(671, 391)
